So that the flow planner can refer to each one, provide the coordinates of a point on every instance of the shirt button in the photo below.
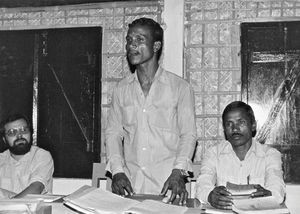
(143, 168)
(144, 110)
(144, 149)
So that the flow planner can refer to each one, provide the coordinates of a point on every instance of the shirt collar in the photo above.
(255, 148)
(160, 75)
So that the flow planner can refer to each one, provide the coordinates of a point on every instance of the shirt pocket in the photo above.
(164, 117)
(129, 115)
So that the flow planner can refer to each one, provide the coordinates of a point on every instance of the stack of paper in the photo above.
(48, 198)
(91, 200)
(20, 206)
(261, 205)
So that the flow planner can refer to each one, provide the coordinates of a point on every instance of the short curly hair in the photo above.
(156, 29)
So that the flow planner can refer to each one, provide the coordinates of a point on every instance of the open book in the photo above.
(261, 205)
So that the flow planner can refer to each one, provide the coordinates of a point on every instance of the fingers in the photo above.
(220, 198)
(128, 188)
(165, 188)
(183, 198)
(120, 184)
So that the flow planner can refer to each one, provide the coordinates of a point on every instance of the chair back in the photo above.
(100, 179)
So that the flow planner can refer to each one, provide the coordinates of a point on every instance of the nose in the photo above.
(235, 127)
(132, 44)
(19, 135)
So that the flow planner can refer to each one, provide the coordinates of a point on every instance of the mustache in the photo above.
(21, 139)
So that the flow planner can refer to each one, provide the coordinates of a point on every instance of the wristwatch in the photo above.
(184, 173)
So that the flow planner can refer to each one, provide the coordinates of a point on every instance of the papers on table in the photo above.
(95, 200)
(20, 206)
(154, 207)
(91, 200)
(48, 198)
(261, 205)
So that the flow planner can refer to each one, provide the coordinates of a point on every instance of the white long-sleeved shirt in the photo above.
(220, 164)
(159, 130)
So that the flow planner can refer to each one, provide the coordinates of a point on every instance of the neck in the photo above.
(145, 74)
(16, 157)
(241, 151)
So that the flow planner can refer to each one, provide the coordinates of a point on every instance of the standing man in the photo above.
(24, 168)
(151, 132)
(239, 160)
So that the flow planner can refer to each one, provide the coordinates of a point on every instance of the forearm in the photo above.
(5, 194)
(114, 154)
(274, 176)
(204, 185)
(34, 188)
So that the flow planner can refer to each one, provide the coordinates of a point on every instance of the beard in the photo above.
(21, 146)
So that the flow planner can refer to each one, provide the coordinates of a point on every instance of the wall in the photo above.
(212, 54)
(210, 47)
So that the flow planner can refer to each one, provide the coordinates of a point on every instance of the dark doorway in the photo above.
(270, 84)
(55, 73)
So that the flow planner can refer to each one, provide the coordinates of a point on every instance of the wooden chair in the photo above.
(100, 177)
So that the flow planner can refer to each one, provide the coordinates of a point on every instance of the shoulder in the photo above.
(219, 149)
(175, 79)
(266, 150)
(3, 157)
(41, 153)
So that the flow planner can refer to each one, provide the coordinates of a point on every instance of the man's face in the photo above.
(238, 128)
(140, 45)
(18, 137)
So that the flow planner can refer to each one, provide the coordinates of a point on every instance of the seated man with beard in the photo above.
(24, 168)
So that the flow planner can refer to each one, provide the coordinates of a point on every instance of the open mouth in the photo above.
(21, 141)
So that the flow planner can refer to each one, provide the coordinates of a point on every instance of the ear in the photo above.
(225, 135)
(4, 140)
(253, 127)
(157, 46)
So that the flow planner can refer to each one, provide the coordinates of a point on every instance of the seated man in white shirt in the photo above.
(24, 168)
(239, 160)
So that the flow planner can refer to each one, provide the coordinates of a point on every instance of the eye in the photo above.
(242, 122)
(228, 124)
(128, 39)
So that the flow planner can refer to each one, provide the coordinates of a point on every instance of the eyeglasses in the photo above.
(15, 132)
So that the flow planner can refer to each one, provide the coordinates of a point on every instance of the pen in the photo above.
(248, 179)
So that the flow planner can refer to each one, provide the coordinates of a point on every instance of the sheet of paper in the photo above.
(262, 205)
(154, 207)
(207, 208)
(101, 201)
(19, 205)
(45, 198)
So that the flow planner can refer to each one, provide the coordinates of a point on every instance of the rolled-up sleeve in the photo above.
(274, 175)
(42, 170)
(113, 137)
(207, 178)
(187, 129)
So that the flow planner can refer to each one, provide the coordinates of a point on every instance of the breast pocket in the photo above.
(163, 117)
